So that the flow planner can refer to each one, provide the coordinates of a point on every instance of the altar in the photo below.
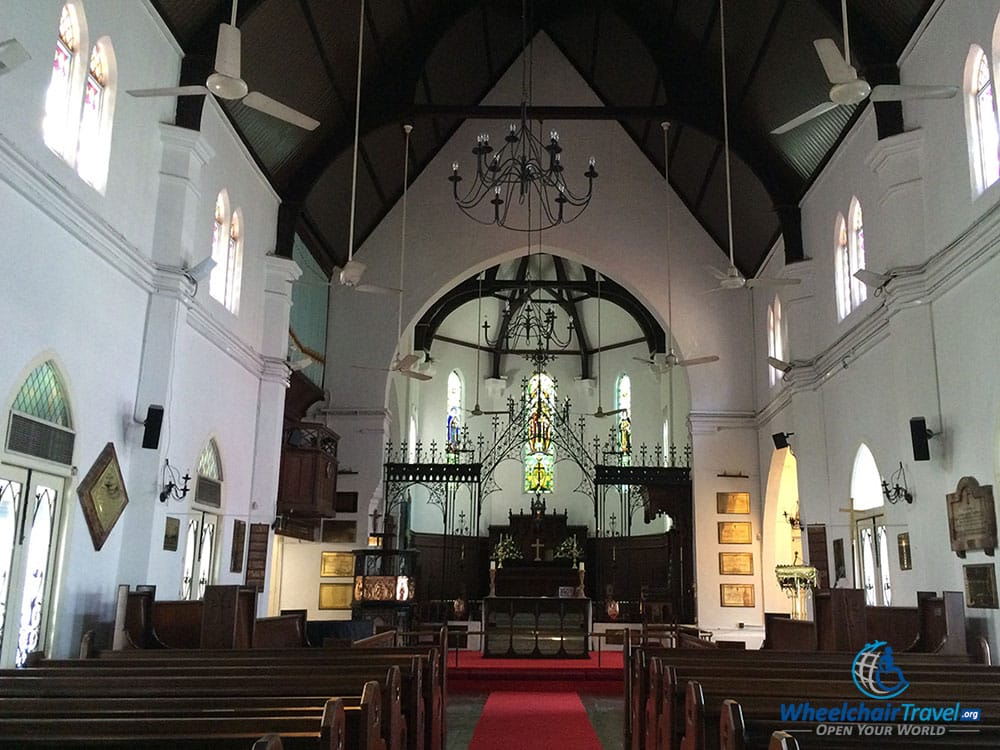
(536, 627)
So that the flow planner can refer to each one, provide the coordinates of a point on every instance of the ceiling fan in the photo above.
(848, 88)
(731, 278)
(660, 362)
(476, 411)
(225, 82)
(600, 413)
(404, 365)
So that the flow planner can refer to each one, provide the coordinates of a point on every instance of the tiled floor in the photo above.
(606, 714)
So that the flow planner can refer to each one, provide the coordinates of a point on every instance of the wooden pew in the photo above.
(431, 685)
(373, 715)
(326, 731)
(929, 681)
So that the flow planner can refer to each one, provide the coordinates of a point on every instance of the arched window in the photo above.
(208, 490)
(623, 401)
(96, 121)
(842, 269)
(225, 282)
(981, 121)
(40, 423)
(775, 339)
(539, 453)
(859, 292)
(453, 420)
(220, 247)
(59, 126)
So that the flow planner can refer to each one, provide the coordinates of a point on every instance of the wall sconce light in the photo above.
(793, 521)
(781, 439)
(898, 491)
(174, 485)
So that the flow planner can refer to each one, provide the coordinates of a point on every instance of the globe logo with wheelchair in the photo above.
(875, 672)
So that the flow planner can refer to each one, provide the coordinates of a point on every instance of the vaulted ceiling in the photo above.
(430, 63)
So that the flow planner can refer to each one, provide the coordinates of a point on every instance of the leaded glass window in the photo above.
(539, 453)
(42, 396)
(217, 280)
(55, 125)
(209, 462)
(234, 264)
(92, 153)
(454, 417)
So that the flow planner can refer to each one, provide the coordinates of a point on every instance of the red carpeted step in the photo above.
(529, 720)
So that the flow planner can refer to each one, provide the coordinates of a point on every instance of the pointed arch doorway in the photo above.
(781, 540)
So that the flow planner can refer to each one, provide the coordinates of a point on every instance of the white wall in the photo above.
(125, 332)
(926, 346)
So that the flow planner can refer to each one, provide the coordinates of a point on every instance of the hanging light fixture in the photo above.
(523, 166)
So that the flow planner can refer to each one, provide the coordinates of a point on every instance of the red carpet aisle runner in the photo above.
(534, 721)
(474, 674)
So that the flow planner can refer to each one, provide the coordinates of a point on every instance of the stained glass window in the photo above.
(539, 453)
(217, 280)
(623, 400)
(42, 396)
(210, 463)
(234, 264)
(454, 417)
(57, 98)
(89, 157)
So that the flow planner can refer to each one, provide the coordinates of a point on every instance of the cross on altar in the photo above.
(538, 549)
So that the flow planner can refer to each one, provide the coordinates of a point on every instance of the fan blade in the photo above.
(375, 289)
(805, 117)
(413, 374)
(173, 91)
(698, 361)
(893, 93)
(759, 282)
(269, 106)
(834, 65)
(405, 363)
(779, 364)
(601, 414)
(367, 367)
(718, 274)
(644, 360)
(227, 51)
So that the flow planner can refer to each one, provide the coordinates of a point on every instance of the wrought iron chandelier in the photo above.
(523, 167)
(530, 329)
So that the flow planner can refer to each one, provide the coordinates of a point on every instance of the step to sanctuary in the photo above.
(475, 674)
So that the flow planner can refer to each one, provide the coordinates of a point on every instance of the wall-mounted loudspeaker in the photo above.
(12, 54)
(919, 436)
(153, 423)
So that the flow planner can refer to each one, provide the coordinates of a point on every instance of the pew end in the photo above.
(782, 741)
(732, 730)
(268, 742)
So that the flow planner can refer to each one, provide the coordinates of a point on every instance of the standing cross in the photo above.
(538, 549)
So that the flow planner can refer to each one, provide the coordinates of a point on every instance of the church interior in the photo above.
(546, 323)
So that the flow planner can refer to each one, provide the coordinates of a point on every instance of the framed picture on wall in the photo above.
(736, 594)
(335, 595)
(336, 564)
(102, 496)
(239, 542)
(839, 566)
(732, 502)
(903, 548)
(980, 586)
(735, 532)
(736, 563)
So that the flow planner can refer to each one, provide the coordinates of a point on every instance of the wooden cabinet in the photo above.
(307, 485)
